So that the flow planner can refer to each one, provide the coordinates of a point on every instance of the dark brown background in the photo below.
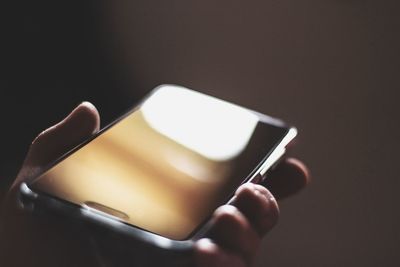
(328, 66)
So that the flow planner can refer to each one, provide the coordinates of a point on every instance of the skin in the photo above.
(233, 239)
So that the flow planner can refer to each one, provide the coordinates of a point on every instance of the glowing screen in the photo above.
(166, 165)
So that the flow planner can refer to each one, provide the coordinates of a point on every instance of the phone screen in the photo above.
(168, 164)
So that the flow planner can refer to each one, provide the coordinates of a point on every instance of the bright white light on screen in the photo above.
(211, 127)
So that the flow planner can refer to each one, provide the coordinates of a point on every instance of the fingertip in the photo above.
(250, 192)
(82, 121)
(86, 105)
(228, 220)
(233, 231)
(251, 188)
(288, 178)
(259, 206)
(87, 112)
(301, 168)
(50, 144)
(206, 253)
(206, 246)
(226, 210)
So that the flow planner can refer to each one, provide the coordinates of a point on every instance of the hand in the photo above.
(46, 240)
(238, 229)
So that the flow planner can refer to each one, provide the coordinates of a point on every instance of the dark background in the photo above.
(330, 67)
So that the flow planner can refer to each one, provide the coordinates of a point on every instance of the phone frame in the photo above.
(39, 202)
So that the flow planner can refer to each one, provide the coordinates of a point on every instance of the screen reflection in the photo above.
(167, 165)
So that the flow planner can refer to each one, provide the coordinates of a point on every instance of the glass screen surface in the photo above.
(166, 166)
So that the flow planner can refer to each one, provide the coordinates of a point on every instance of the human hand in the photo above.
(46, 241)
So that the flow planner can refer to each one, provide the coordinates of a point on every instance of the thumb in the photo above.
(52, 143)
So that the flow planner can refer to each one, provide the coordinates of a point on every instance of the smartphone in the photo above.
(156, 174)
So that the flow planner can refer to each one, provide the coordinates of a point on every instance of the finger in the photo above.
(232, 231)
(258, 205)
(288, 178)
(79, 125)
(209, 254)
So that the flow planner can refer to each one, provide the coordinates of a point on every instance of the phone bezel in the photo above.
(32, 200)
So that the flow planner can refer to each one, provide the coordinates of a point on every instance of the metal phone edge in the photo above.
(32, 201)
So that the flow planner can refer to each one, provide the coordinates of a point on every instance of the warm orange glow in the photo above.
(163, 167)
